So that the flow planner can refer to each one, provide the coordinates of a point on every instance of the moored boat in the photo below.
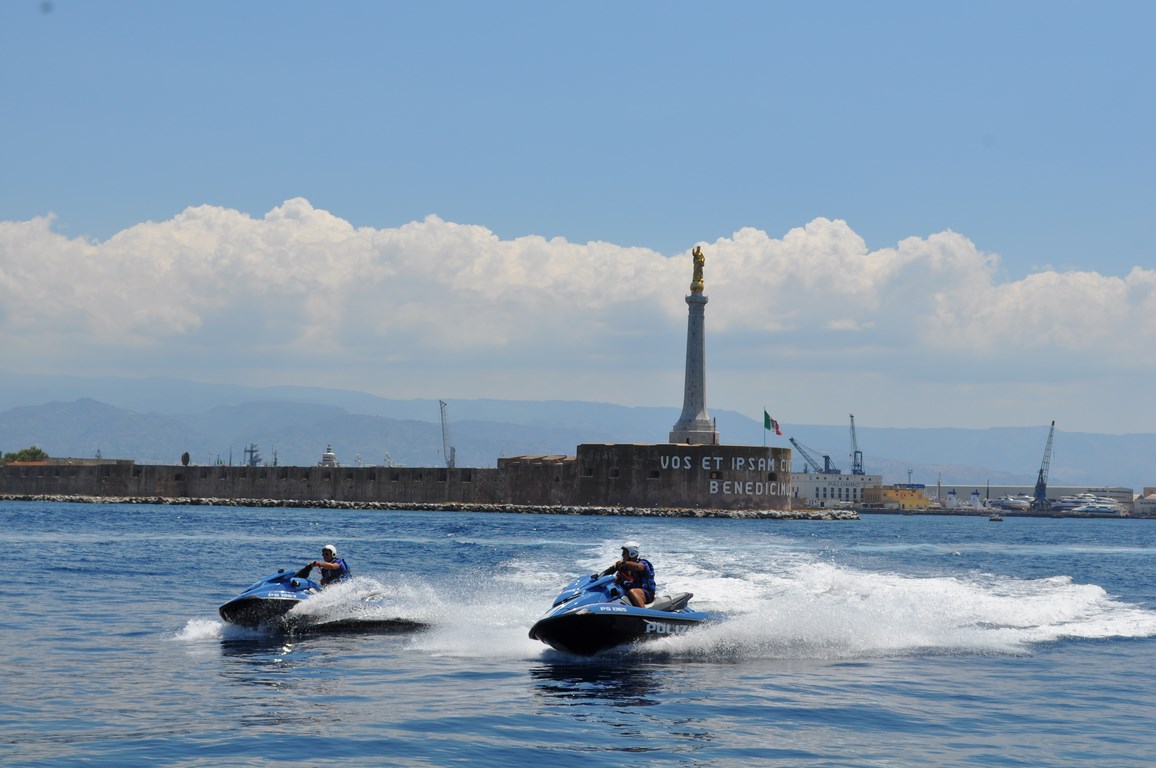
(1018, 503)
(1098, 509)
(1088, 505)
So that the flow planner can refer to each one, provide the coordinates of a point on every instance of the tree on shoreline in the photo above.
(34, 453)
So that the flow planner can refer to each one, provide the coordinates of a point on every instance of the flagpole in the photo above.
(764, 430)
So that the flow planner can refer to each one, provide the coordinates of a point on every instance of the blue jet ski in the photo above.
(592, 613)
(268, 600)
(267, 605)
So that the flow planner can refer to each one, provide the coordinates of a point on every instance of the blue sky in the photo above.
(926, 214)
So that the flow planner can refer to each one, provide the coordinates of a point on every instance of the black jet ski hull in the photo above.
(591, 614)
(585, 634)
(253, 612)
(267, 601)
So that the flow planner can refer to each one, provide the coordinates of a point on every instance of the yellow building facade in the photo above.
(895, 497)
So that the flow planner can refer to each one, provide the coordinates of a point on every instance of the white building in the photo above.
(829, 490)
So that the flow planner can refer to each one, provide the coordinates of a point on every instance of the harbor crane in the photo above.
(856, 454)
(448, 450)
(827, 468)
(1040, 502)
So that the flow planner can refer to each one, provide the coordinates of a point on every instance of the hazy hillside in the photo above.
(155, 421)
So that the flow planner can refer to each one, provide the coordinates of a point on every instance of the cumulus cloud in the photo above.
(303, 295)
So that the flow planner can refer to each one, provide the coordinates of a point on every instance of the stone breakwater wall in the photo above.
(524, 509)
(612, 476)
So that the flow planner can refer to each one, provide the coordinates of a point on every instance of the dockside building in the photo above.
(828, 490)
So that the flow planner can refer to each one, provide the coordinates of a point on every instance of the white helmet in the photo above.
(330, 549)
(631, 549)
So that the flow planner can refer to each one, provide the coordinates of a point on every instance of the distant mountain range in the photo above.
(156, 420)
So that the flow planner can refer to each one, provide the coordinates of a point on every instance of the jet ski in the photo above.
(268, 600)
(592, 614)
(269, 604)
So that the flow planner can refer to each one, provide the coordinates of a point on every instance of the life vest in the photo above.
(636, 580)
(329, 576)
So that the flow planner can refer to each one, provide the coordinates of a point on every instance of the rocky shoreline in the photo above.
(751, 514)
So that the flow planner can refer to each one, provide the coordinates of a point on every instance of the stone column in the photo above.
(694, 426)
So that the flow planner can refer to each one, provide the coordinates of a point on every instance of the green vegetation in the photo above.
(35, 453)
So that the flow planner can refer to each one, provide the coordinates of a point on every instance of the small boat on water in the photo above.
(592, 614)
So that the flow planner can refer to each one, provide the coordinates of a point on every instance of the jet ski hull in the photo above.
(591, 615)
(253, 611)
(268, 605)
(594, 631)
(267, 601)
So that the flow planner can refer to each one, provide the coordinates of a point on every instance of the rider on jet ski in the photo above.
(333, 568)
(634, 574)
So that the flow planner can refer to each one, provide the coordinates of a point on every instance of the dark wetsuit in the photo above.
(330, 576)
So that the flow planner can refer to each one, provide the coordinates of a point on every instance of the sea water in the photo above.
(889, 641)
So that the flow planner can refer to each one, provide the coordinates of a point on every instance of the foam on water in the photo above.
(367, 599)
(806, 608)
(361, 601)
(822, 611)
(489, 613)
(779, 602)
(199, 630)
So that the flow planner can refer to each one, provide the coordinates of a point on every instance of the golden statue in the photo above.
(699, 261)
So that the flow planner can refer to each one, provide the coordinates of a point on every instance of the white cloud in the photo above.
(303, 296)
(1071, 313)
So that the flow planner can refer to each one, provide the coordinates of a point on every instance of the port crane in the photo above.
(1040, 502)
(448, 450)
(856, 454)
(827, 468)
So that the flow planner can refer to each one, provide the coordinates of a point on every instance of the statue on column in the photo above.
(699, 261)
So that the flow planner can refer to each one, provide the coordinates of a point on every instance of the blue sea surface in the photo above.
(889, 641)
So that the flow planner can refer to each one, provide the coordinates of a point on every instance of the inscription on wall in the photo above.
(744, 475)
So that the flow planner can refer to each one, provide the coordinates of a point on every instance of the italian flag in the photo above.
(769, 423)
